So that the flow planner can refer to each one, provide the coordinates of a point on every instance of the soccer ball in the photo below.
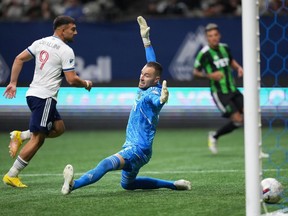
(272, 190)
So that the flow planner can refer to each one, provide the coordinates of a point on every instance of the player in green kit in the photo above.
(215, 62)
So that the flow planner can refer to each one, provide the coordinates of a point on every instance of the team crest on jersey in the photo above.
(139, 95)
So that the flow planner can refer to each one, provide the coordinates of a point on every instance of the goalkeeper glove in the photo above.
(164, 93)
(144, 30)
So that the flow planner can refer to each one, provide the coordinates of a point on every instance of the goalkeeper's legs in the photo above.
(129, 182)
(94, 175)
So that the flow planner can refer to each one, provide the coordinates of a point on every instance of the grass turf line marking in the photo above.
(157, 172)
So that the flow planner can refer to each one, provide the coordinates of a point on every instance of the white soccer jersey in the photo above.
(52, 57)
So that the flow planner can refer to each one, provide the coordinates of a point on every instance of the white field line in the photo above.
(157, 172)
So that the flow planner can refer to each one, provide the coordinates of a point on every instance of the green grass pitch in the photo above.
(218, 181)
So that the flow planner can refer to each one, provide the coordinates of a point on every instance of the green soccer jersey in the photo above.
(211, 60)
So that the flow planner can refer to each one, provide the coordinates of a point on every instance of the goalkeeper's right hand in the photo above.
(144, 30)
(164, 93)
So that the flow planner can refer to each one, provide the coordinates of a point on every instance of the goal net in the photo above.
(265, 61)
(273, 28)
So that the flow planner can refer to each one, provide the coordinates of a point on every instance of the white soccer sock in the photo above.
(17, 167)
(25, 135)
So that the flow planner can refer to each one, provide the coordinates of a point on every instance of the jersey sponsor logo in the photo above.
(182, 64)
(220, 63)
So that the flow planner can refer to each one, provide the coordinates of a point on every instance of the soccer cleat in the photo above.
(15, 142)
(182, 184)
(68, 175)
(13, 181)
(212, 142)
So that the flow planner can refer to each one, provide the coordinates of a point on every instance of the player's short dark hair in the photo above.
(211, 26)
(158, 68)
(62, 20)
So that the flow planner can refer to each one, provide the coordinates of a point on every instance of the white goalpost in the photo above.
(250, 36)
(252, 110)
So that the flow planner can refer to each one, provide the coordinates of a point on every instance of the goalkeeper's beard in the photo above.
(142, 85)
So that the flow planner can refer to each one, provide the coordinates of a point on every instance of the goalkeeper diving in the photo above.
(140, 132)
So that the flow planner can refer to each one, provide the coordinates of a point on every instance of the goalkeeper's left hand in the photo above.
(164, 93)
(144, 30)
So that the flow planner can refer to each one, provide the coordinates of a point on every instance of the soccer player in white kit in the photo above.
(54, 59)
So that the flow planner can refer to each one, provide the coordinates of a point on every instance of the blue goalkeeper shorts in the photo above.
(134, 158)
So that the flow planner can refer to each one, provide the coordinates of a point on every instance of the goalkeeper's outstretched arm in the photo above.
(145, 32)
(150, 54)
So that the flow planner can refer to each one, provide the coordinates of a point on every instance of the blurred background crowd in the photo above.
(117, 10)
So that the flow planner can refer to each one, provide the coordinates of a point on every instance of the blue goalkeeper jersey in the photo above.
(143, 119)
(144, 115)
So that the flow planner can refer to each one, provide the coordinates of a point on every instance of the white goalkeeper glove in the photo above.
(144, 30)
(164, 93)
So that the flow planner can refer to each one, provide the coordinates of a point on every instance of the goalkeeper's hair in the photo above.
(62, 20)
(158, 68)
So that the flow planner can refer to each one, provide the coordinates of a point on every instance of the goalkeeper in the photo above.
(140, 132)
